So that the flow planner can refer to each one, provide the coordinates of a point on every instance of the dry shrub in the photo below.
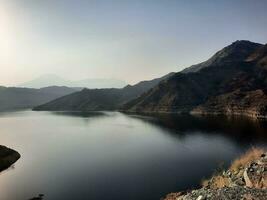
(216, 182)
(248, 197)
(219, 182)
(252, 154)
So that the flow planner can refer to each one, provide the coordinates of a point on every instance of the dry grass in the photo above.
(219, 181)
(252, 154)
(216, 182)
(173, 196)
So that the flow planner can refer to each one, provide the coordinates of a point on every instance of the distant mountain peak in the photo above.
(47, 80)
(50, 76)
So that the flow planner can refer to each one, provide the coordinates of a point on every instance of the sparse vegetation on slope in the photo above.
(246, 179)
(251, 155)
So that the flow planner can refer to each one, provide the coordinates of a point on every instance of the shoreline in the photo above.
(193, 112)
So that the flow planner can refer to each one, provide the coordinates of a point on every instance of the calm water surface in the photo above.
(113, 156)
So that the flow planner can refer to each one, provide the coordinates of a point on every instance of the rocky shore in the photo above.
(246, 179)
(7, 157)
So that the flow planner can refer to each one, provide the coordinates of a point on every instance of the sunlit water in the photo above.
(113, 156)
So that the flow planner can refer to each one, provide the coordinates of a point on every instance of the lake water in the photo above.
(114, 156)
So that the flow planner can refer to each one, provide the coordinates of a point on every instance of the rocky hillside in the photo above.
(19, 98)
(247, 95)
(7, 157)
(245, 180)
(100, 99)
(233, 81)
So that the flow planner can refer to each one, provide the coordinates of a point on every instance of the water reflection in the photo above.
(242, 130)
(110, 155)
(80, 114)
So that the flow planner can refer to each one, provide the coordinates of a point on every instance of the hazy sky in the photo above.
(130, 40)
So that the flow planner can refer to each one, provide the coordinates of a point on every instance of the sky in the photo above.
(132, 40)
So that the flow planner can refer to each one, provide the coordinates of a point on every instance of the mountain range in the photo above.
(54, 80)
(101, 99)
(12, 98)
(232, 81)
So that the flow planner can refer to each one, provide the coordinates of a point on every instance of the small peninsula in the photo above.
(7, 157)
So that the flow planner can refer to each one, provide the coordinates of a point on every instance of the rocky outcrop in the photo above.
(248, 182)
(227, 193)
(7, 157)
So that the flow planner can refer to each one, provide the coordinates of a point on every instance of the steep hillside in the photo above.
(20, 98)
(231, 82)
(100, 99)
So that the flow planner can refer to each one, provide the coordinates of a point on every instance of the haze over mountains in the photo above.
(54, 80)
(12, 98)
(233, 81)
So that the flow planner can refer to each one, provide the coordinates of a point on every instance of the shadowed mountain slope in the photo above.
(233, 81)
(100, 99)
